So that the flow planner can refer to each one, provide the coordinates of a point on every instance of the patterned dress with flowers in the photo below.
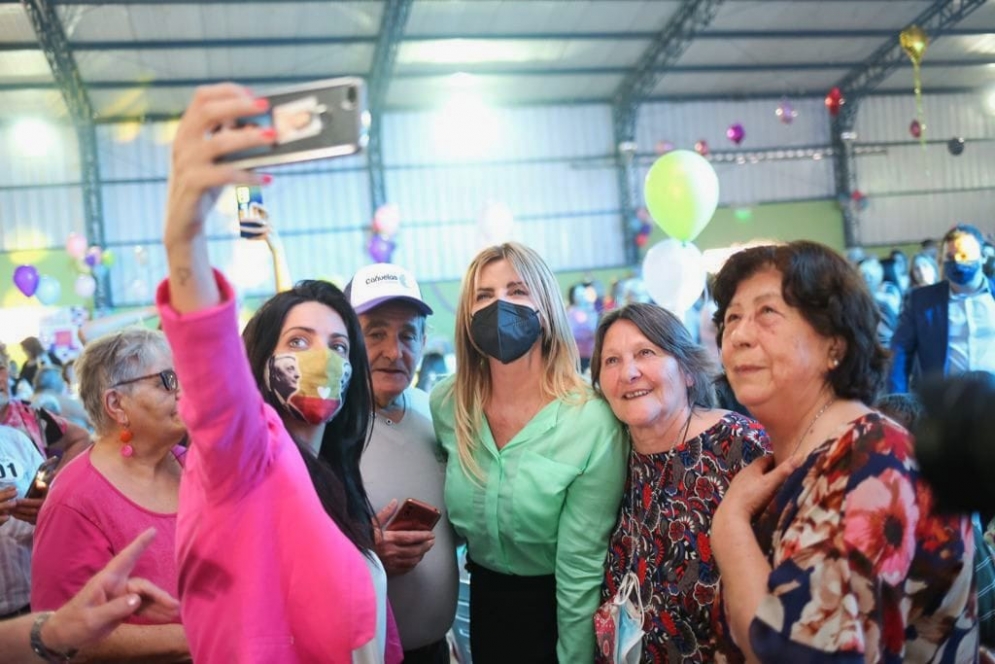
(862, 569)
(669, 501)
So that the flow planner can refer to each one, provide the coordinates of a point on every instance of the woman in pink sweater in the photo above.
(265, 574)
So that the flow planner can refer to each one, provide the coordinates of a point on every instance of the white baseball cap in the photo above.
(375, 284)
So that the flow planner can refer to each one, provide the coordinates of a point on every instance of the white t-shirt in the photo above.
(19, 459)
(373, 652)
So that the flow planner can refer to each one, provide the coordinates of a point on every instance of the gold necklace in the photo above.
(815, 419)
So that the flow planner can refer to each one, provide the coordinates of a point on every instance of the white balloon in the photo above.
(674, 273)
(85, 285)
(495, 225)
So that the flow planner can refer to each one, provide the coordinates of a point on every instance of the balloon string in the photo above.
(917, 73)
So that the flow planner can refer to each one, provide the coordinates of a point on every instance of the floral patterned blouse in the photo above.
(675, 495)
(862, 570)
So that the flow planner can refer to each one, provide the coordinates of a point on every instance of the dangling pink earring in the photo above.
(126, 450)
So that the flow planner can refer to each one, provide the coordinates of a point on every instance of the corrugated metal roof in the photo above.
(522, 51)
(14, 24)
(536, 16)
(165, 20)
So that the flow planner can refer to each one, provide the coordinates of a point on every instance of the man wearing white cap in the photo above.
(402, 461)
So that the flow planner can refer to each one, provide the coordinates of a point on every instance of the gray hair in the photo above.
(665, 331)
(112, 359)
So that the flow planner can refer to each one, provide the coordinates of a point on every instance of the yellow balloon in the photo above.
(914, 42)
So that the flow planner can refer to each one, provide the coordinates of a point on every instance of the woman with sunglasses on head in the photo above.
(127, 482)
(274, 538)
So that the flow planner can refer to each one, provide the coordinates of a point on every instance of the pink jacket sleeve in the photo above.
(230, 425)
(393, 651)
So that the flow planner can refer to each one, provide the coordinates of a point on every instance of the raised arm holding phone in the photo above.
(305, 586)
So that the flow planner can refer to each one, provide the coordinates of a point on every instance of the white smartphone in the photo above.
(317, 120)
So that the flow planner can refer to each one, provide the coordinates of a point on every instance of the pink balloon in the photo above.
(26, 279)
(387, 219)
(76, 245)
(701, 147)
(736, 133)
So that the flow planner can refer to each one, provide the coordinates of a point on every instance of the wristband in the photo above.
(39, 647)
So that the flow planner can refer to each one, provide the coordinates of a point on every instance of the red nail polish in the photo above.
(262, 103)
(269, 134)
(266, 178)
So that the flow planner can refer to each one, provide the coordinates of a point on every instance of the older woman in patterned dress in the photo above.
(830, 551)
(684, 453)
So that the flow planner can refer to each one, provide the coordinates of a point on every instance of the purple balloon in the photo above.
(380, 248)
(736, 133)
(785, 112)
(26, 279)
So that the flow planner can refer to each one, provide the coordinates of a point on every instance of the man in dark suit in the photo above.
(949, 327)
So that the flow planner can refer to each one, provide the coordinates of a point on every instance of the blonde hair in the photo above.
(561, 361)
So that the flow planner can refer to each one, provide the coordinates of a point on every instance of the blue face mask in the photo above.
(618, 624)
(961, 273)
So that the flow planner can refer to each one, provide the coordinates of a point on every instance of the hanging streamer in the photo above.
(914, 41)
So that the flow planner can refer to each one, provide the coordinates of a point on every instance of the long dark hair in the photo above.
(335, 471)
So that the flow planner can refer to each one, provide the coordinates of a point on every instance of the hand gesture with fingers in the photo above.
(107, 599)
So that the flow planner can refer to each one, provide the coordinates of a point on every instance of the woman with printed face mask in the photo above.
(536, 464)
(268, 464)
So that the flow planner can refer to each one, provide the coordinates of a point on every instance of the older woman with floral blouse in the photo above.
(831, 550)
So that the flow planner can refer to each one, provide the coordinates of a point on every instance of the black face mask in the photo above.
(504, 330)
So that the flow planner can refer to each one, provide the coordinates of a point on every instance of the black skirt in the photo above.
(512, 618)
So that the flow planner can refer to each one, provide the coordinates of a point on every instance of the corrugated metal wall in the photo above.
(749, 183)
(320, 210)
(550, 166)
(40, 197)
(915, 194)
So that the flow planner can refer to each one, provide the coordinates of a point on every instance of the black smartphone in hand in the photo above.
(43, 478)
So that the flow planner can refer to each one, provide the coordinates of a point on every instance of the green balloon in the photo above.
(682, 192)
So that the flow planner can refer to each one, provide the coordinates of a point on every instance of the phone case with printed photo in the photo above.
(317, 120)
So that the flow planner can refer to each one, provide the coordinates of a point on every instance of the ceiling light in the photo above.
(33, 138)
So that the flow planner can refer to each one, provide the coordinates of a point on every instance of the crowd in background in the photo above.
(735, 484)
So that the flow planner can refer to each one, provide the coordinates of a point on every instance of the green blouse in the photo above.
(547, 504)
